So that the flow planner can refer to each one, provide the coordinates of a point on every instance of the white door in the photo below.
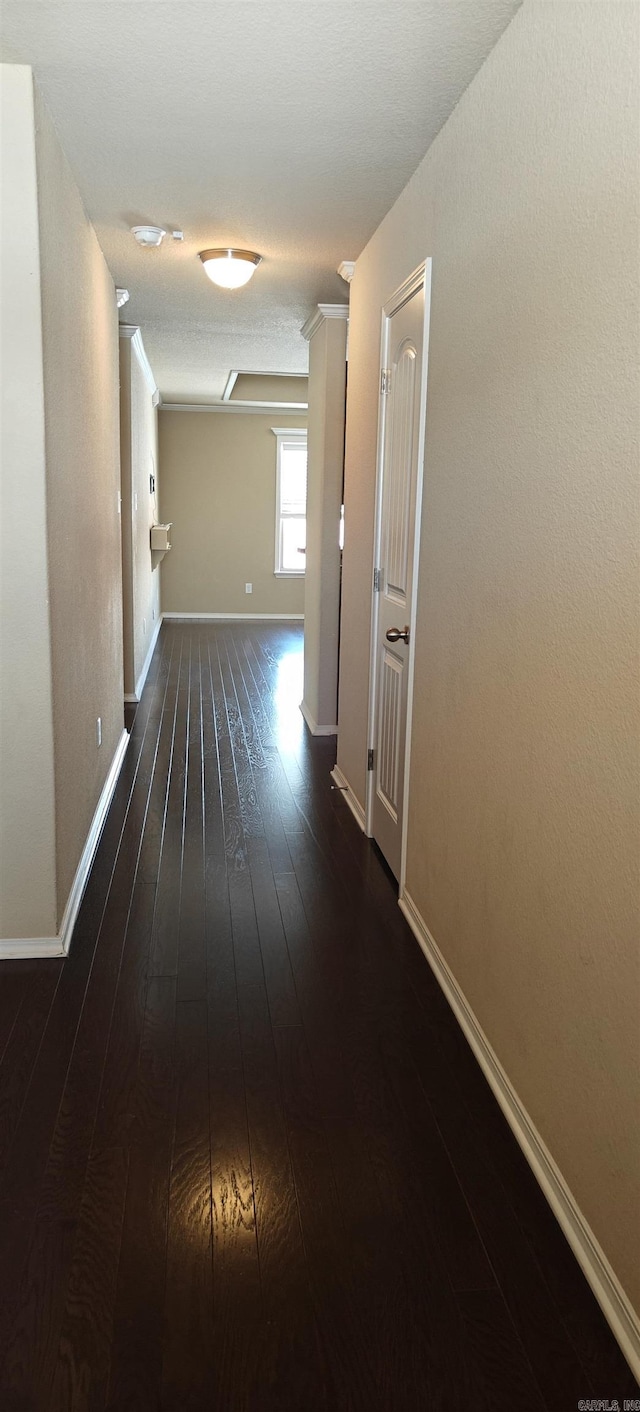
(402, 389)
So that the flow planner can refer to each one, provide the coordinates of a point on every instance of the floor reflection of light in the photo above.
(287, 697)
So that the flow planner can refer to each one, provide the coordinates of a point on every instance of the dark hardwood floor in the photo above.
(247, 1159)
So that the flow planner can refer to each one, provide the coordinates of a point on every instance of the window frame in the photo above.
(297, 435)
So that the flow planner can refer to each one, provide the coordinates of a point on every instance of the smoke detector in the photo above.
(122, 296)
(148, 236)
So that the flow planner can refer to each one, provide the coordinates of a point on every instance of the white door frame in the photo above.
(420, 276)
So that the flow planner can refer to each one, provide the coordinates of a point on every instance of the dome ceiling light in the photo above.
(148, 236)
(230, 268)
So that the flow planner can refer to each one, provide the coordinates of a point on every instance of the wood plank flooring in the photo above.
(247, 1160)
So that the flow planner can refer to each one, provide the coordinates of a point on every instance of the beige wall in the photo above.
(218, 485)
(327, 390)
(80, 342)
(27, 823)
(139, 461)
(523, 824)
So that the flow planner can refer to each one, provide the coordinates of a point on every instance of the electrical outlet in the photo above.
(248, 588)
(99, 731)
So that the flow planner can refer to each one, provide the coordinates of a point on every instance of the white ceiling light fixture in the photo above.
(230, 268)
(148, 236)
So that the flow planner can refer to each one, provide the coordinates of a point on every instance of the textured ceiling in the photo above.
(288, 128)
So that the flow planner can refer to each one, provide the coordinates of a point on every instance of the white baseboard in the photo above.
(38, 947)
(603, 1280)
(147, 663)
(30, 948)
(349, 796)
(313, 725)
(237, 617)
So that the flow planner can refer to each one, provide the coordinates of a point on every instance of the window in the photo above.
(291, 501)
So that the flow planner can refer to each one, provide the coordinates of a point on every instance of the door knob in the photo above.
(394, 634)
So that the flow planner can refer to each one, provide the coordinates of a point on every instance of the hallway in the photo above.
(247, 1158)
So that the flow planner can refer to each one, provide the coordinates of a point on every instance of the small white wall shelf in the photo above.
(161, 538)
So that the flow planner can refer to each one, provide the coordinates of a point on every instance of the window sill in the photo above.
(288, 573)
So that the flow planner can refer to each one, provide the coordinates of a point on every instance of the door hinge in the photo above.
(385, 381)
(369, 759)
(378, 580)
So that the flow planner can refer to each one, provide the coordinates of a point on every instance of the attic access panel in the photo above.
(267, 389)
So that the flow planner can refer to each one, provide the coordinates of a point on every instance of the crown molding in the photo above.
(264, 406)
(246, 409)
(133, 332)
(322, 312)
(346, 270)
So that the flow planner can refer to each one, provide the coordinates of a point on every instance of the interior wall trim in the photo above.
(133, 332)
(313, 725)
(134, 696)
(349, 797)
(236, 617)
(318, 316)
(613, 1301)
(30, 948)
(39, 947)
(246, 409)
